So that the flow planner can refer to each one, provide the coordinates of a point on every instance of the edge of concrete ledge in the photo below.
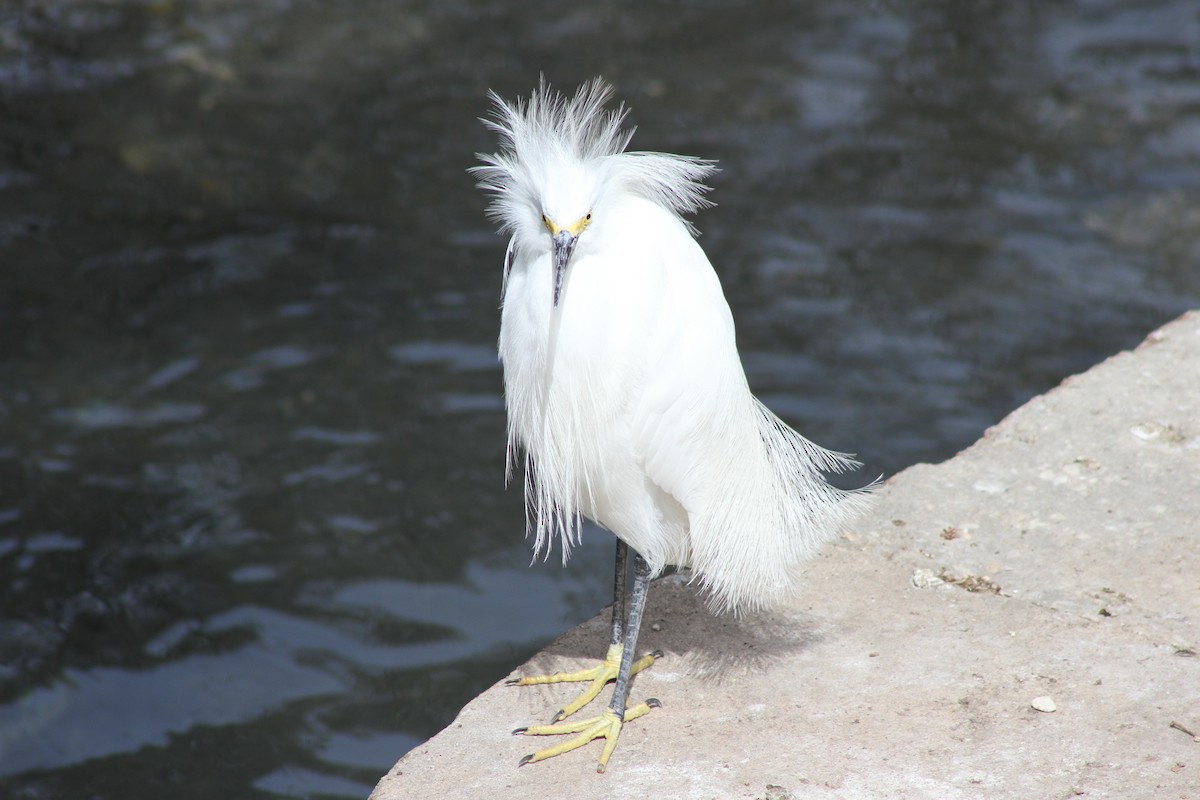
(1054, 564)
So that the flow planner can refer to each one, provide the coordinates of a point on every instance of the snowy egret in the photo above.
(626, 398)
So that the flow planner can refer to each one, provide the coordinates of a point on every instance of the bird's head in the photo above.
(569, 198)
(563, 160)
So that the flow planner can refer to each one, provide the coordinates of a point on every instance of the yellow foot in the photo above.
(607, 725)
(599, 675)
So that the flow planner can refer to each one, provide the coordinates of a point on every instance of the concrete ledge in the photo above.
(1057, 557)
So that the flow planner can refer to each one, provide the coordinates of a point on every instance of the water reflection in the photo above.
(280, 658)
(101, 712)
(253, 536)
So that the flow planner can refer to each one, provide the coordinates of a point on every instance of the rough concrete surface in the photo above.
(1055, 563)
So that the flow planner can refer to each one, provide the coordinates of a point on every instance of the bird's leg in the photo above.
(620, 568)
(608, 669)
(641, 587)
(608, 724)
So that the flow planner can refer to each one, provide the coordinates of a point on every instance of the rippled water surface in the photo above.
(254, 540)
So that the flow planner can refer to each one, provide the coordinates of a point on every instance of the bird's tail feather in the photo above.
(750, 556)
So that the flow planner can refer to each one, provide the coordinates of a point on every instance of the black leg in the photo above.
(637, 604)
(618, 611)
(624, 641)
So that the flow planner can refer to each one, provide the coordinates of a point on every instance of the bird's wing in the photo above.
(690, 413)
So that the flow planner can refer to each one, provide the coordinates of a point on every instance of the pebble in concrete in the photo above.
(1044, 703)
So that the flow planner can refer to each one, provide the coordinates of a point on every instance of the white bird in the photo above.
(626, 398)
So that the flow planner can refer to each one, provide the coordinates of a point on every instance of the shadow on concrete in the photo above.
(714, 648)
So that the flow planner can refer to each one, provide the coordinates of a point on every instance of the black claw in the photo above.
(525, 760)
(657, 654)
(519, 731)
(653, 702)
(559, 717)
(512, 682)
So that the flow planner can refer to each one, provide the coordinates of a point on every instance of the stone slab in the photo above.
(1057, 558)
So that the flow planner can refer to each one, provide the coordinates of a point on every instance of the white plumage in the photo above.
(626, 398)
(627, 402)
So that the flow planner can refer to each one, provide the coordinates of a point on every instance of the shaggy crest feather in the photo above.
(539, 138)
(627, 402)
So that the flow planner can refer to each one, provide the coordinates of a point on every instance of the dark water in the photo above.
(253, 535)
